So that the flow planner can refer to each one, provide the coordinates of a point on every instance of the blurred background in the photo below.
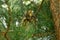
(26, 20)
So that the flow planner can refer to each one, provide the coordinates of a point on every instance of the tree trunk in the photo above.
(55, 8)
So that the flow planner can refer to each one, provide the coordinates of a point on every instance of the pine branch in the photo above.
(9, 22)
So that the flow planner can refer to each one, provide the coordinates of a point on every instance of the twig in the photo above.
(9, 22)
(39, 8)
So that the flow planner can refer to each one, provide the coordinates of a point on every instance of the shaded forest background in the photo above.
(29, 20)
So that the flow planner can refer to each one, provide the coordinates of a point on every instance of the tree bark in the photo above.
(55, 8)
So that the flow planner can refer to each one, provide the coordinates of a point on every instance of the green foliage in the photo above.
(44, 24)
